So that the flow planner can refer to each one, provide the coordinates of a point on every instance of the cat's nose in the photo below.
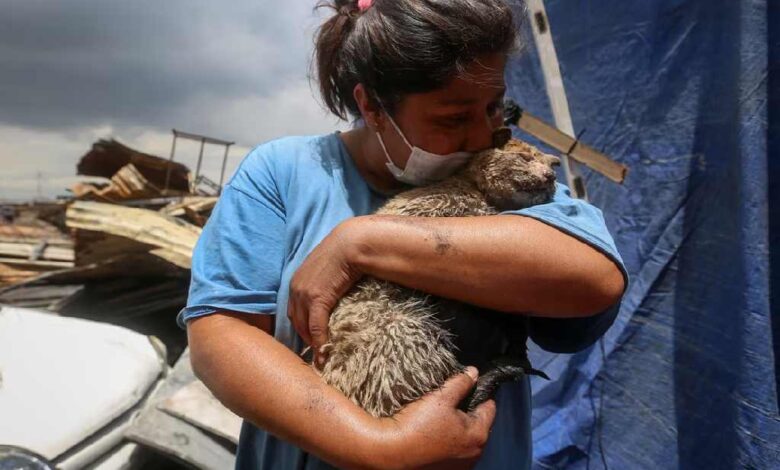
(549, 175)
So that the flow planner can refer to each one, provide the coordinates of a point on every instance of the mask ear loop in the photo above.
(384, 149)
(392, 121)
(395, 169)
(398, 129)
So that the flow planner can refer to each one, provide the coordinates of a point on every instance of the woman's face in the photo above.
(461, 116)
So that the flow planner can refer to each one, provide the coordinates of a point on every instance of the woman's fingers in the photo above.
(457, 387)
(309, 315)
(296, 314)
(318, 284)
(481, 419)
(436, 433)
(483, 415)
(319, 316)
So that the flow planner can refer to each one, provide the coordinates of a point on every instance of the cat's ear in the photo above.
(501, 137)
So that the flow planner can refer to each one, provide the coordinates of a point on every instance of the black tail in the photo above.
(501, 370)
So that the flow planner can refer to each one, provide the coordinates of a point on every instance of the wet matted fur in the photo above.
(389, 345)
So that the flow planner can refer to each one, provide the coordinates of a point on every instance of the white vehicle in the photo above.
(70, 388)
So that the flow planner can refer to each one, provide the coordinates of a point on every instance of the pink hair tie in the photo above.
(363, 5)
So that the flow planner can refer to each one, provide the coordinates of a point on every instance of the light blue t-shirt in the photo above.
(285, 197)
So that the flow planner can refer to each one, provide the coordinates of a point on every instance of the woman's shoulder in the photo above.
(288, 149)
(279, 159)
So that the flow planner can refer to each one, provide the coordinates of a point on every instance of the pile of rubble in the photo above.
(30, 244)
(119, 252)
(147, 209)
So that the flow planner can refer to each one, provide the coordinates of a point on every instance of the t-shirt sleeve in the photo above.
(585, 222)
(237, 261)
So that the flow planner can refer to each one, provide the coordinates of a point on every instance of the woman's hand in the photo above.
(264, 382)
(318, 284)
(432, 433)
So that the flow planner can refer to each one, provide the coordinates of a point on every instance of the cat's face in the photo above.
(515, 176)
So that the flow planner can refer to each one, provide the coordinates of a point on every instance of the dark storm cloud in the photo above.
(78, 63)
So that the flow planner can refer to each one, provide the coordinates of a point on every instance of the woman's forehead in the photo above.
(480, 81)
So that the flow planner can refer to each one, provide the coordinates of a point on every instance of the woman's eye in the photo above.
(458, 120)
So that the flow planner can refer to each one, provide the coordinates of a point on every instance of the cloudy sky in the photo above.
(72, 72)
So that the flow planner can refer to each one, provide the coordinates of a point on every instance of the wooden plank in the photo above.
(10, 275)
(16, 231)
(49, 252)
(580, 152)
(174, 239)
(107, 157)
(96, 247)
(59, 242)
(175, 437)
(197, 204)
(28, 263)
(132, 265)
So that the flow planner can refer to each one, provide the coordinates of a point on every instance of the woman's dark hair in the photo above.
(398, 47)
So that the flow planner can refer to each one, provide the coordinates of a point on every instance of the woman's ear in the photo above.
(369, 108)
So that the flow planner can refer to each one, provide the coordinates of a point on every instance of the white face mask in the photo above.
(423, 167)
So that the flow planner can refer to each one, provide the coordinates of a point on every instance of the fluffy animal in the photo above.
(389, 345)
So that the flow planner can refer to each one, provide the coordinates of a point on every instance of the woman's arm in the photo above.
(264, 382)
(505, 262)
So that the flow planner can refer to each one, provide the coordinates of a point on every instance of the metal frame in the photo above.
(203, 141)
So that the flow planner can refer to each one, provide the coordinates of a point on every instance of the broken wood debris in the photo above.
(199, 204)
(126, 184)
(120, 251)
(195, 209)
(10, 274)
(30, 244)
(172, 238)
(108, 157)
(189, 440)
(31, 250)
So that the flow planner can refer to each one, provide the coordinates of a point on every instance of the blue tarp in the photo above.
(687, 94)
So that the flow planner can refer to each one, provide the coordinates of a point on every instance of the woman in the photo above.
(291, 234)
